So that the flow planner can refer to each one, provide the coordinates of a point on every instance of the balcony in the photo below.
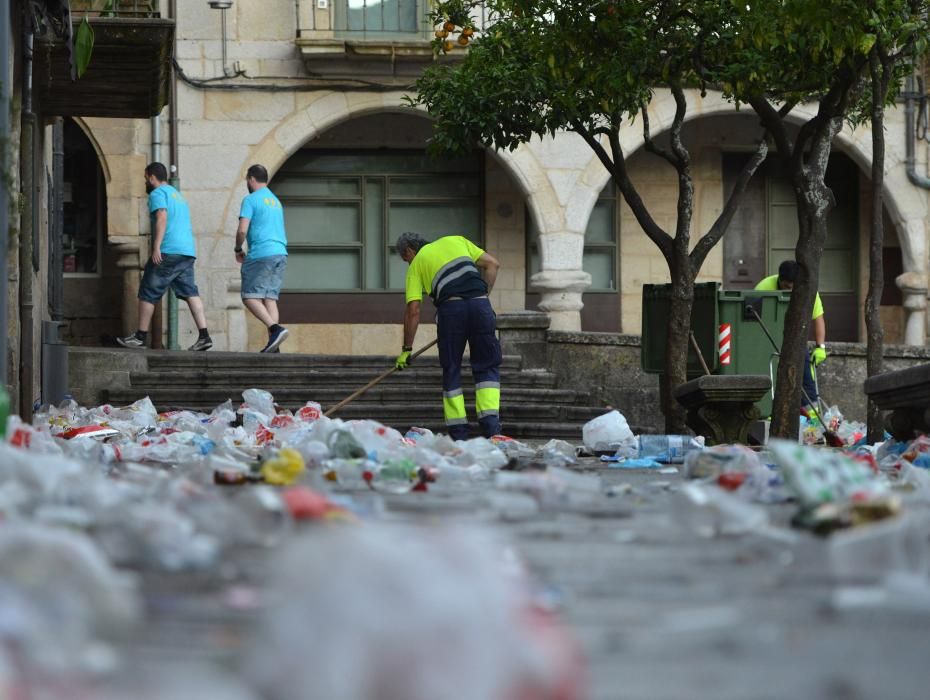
(129, 70)
(369, 38)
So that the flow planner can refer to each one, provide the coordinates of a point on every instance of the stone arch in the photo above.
(905, 204)
(322, 111)
(101, 158)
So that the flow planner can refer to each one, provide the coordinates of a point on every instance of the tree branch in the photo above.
(685, 207)
(617, 169)
(774, 122)
(713, 236)
(651, 146)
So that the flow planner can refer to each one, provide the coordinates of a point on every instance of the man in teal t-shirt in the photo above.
(172, 261)
(784, 281)
(261, 228)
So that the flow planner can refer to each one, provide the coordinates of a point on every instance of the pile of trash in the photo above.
(91, 499)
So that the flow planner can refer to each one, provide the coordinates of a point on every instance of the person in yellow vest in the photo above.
(450, 271)
(784, 280)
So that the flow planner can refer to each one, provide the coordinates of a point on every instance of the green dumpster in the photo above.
(751, 351)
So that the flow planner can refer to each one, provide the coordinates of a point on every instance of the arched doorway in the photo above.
(92, 298)
(349, 193)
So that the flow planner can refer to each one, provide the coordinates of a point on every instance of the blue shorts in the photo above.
(175, 271)
(262, 277)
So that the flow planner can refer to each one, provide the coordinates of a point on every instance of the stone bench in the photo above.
(906, 393)
(722, 407)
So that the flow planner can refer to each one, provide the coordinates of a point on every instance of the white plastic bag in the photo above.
(607, 433)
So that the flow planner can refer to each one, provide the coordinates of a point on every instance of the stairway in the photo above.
(531, 406)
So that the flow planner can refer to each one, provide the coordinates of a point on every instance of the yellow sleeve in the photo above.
(414, 288)
(818, 306)
(474, 252)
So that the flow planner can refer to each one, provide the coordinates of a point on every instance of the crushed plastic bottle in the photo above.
(669, 449)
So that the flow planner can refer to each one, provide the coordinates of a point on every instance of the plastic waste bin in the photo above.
(751, 351)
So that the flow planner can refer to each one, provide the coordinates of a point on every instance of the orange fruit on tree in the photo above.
(463, 40)
(448, 46)
(441, 33)
(449, 25)
(468, 31)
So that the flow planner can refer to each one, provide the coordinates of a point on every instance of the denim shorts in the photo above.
(262, 277)
(175, 271)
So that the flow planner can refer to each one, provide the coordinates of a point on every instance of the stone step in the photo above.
(163, 359)
(331, 395)
(530, 405)
(348, 378)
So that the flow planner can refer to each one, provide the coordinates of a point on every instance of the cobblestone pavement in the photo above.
(661, 612)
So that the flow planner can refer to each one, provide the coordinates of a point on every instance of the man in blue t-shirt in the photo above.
(172, 261)
(261, 227)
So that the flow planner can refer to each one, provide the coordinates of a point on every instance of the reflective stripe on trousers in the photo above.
(470, 321)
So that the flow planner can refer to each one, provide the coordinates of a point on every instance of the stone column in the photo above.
(237, 334)
(129, 261)
(913, 286)
(561, 280)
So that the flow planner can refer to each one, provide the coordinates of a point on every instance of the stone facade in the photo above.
(222, 130)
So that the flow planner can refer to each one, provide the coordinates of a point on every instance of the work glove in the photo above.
(402, 360)
(818, 356)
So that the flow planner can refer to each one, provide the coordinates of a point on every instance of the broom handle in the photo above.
(377, 380)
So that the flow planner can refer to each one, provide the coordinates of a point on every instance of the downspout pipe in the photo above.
(910, 136)
(27, 230)
(6, 45)
(157, 325)
(56, 223)
(173, 175)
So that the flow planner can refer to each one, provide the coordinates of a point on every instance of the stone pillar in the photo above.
(562, 280)
(237, 334)
(913, 286)
(129, 261)
(524, 333)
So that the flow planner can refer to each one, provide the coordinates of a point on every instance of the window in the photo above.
(383, 18)
(344, 210)
(600, 245)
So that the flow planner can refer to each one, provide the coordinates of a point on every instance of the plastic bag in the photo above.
(260, 401)
(607, 433)
(283, 469)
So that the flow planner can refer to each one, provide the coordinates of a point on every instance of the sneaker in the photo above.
(131, 341)
(202, 344)
(275, 339)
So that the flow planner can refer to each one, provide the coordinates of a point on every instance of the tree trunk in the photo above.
(875, 334)
(678, 338)
(815, 200)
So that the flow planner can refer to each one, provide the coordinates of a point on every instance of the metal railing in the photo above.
(115, 8)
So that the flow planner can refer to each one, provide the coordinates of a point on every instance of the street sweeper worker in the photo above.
(784, 280)
(457, 275)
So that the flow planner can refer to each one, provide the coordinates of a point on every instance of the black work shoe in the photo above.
(202, 344)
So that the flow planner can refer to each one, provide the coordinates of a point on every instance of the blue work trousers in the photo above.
(471, 321)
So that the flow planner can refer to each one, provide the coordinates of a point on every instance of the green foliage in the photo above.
(83, 46)
(541, 65)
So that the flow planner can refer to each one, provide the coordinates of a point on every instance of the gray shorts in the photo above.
(262, 277)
